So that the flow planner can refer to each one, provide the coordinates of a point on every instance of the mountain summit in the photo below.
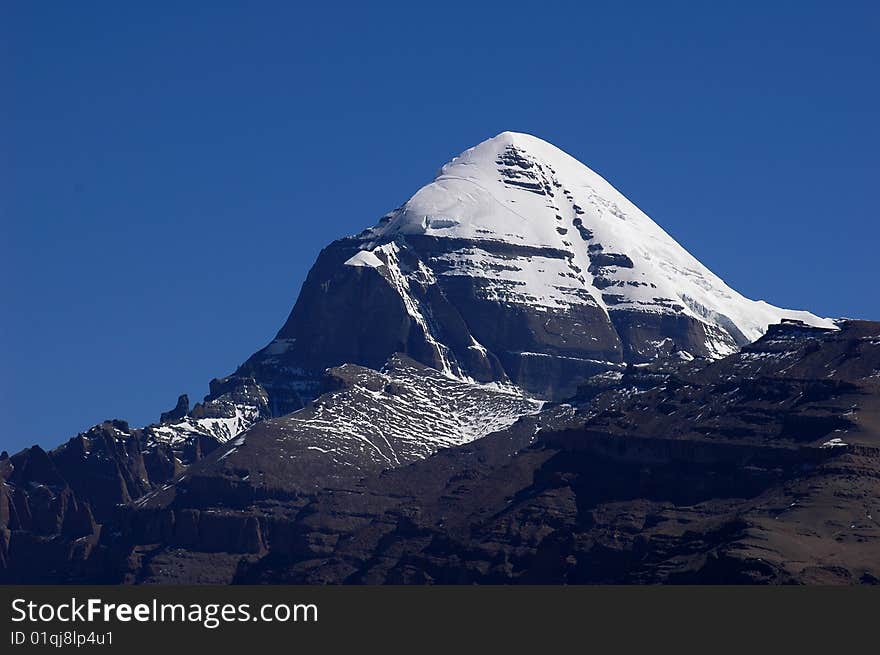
(519, 264)
(521, 190)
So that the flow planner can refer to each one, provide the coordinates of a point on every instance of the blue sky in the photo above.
(169, 171)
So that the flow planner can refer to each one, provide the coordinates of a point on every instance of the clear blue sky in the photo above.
(169, 171)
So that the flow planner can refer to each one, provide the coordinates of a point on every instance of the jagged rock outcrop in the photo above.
(181, 409)
(231, 407)
(52, 504)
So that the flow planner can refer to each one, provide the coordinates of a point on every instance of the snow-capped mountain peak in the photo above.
(516, 264)
(519, 189)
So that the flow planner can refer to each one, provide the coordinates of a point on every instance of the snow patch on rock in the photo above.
(365, 258)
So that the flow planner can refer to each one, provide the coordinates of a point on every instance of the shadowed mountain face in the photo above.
(516, 376)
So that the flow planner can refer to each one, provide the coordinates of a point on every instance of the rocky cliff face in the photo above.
(52, 504)
(517, 263)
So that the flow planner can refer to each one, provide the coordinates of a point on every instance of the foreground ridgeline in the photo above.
(516, 376)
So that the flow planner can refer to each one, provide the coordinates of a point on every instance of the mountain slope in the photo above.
(365, 422)
(759, 468)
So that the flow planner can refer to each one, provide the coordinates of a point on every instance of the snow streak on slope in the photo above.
(222, 428)
(223, 418)
(588, 244)
(384, 419)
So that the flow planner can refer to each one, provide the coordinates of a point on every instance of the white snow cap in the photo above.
(364, 258)
(519, 189)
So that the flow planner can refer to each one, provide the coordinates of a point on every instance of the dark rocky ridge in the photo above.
(716, 486)
(546, 352)
(53, 504)
(676, 471)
